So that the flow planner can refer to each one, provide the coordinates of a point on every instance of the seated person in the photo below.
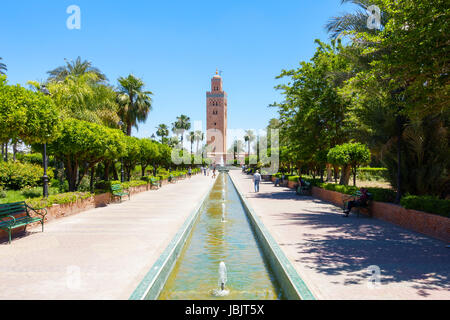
(362, 201)
(279, 181)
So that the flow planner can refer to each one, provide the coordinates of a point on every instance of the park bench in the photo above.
(155, 182)
(365, 207)
(18, 214)
(118, 192)
(304, 189)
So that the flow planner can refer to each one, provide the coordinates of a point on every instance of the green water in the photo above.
(196, 273)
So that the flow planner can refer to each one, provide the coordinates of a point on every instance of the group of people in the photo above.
(207, 169)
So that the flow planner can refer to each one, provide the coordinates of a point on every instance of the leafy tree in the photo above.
(74, 68)
(82, 145)
(27, 115)
(350, 156)
(133, 155)
(83, 97)
(148, 154)
(135, 103)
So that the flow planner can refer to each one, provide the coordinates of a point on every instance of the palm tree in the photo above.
(191, 138)
(199, 136)
(2, 67)
(75, 68)
(135, 103)
(249, 138)
(162, 131)
(356, 21)
(182, 124)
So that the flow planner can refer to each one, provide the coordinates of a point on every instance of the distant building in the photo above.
(216, 120)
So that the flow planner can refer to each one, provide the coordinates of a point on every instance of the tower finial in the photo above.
(217, 71)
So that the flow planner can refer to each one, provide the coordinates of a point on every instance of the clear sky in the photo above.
(174, 46)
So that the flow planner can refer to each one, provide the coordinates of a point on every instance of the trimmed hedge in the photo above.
(428, 204)
(61, 198)
(17, 175)
(379, 194)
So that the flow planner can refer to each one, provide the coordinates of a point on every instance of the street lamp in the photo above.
(45, 91)
(122, 176)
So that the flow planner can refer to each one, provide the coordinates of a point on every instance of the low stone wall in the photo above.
(426, 223)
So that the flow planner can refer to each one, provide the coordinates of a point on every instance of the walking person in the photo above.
(214, 172)
(257, 180)
(189, 172)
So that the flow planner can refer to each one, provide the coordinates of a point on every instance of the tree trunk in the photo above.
(329, 172)
(143, 170)
(91, 186)
(6, 151)
(115, 176)
(106, 173)
(14, 151)
(354, 177)
(399, 122)
(336, 173)
(3, 151)
(345, 175)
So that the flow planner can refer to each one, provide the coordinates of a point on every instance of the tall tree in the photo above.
(163, 132)
(191, 138)
(135, 103)
(75, 68)
(249, 137)
(182, 124)
(199, 136)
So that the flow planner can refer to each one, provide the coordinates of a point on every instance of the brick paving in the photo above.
(333, 254)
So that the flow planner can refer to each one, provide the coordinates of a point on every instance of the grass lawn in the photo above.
(12, 196)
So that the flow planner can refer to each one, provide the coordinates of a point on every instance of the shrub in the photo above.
(2, 193)
(28, 192)
(428, 204)
(372, 174)
(16, 175)
(378, 194)
(62, 198)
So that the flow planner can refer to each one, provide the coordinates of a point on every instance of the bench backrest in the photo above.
(11, 209)
(116, 187)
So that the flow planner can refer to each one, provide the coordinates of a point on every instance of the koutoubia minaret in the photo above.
(216, 118)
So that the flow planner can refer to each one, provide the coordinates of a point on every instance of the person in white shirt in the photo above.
(257, 180)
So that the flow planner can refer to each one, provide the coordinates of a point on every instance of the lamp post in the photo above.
(122, 176)
(45, 91)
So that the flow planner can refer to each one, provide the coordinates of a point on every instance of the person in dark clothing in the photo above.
(361, 201)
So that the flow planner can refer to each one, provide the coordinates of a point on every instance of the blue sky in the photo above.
(174, 46)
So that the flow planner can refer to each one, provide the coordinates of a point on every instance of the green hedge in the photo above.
(62, 198)
(17, 175)
(379, 194)
(372, 174)
(428, 204)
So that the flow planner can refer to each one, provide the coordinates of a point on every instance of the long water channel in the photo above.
(222, 233)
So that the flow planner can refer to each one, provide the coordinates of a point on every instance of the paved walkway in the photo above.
(332, 254)
(98, 254)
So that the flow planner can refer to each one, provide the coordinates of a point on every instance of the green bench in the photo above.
(155, 182)
(18, 214)
(118, 192)
(365, 207)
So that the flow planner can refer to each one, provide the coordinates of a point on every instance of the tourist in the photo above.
(189, 172)
(214, 172)
(362, 201)
(257, 180)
